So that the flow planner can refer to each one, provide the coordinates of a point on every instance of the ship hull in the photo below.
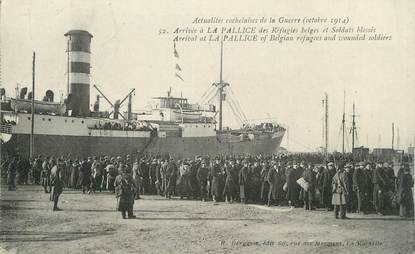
(179, 147)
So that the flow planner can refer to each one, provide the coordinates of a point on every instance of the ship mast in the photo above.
(343, 120)
(393, 136)
(32, 136)
(326, 124)
(353, 130)
(221, 86)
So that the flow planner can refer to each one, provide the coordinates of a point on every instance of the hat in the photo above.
(330, 164)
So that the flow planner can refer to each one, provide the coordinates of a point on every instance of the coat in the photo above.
(406, 182)
(291, 178)
(325, 186)
(230, 181)
(56, 181)
(339, 189)
(216, 173)
(124, 190)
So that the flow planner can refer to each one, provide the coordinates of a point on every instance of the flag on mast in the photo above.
(176, 54)
(179, 77)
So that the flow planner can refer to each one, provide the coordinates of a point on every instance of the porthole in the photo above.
(49, 120)
(28, 118)
(82, 121)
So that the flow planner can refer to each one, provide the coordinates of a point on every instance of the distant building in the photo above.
(387, 153)
(411, 150)
(361, 152)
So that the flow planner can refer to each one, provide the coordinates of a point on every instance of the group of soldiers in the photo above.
(341, 186)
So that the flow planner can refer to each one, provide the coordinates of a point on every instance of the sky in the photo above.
(283, 81)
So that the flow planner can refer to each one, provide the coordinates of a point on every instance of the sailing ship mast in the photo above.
(220, 85)
(343, 120)
(353, 129)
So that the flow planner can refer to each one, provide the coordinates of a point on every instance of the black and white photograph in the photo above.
(207, 126)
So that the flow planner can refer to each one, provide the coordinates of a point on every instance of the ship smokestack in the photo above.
(79, 65)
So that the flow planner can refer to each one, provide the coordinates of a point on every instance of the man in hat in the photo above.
(291, 178)
(379, 184)
(216, 174)
(309, 194)
(202, 177)
(339, 184)
(389, 174)
(326, 187)
(360, 184)
(84, 175)
(229, 189)
(56, 183)
(169, 180)
(45, 175)
(254, 182)
(264, 181)
(404, 195)
(243, 181)
(276, 181)
(124, 190)
(112, 173)
(351, 197)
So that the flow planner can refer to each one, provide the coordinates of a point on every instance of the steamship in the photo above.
(172, 126)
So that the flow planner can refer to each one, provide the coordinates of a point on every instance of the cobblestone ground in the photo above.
(89, 224)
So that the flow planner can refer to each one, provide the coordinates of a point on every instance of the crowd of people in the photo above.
(309, 181)
(129, 126)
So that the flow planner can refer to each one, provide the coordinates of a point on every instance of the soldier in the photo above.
(254, 182)
(11, 174)
(243, 180)
(276, 181)
(360, 183)
(309, 194)
(45, 175)
(264, 182)
(94, 173)
(124, 190)
(160, 178)
(216, 173)
(183, 182)
(229, 190)
(56, 183)
(389, 186)
(291, 179)
(84, 176)
(112, 173)
(369, 186)
(339, 184)
(37, 169)
(202, 177)
(74, 175)
(351, 197)
(169, 180)
(404, 195)
(379, 184)
(326, 186)
(136, 177)
(153, 175)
